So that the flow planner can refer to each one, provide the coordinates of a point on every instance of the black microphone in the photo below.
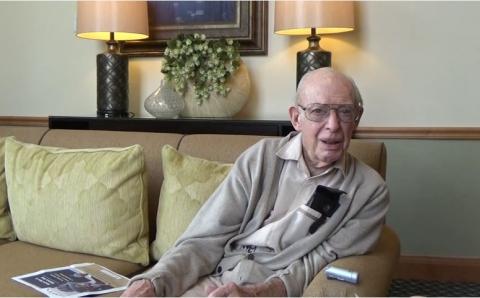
(324, 200)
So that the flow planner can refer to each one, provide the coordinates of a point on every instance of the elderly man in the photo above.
(289, 207)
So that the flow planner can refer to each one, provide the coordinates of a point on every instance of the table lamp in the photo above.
(112, 21)
(312, 18)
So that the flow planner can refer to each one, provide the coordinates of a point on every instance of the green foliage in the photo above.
(207, 64)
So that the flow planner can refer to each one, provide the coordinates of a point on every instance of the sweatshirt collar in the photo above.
(292, 150)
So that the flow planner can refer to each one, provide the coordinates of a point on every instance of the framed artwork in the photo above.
(243, 21)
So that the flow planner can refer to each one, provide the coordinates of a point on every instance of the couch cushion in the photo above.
(152, 144)
(188, 183)
(26, 134)
(83, 200)
(18, 257)
(6, 228)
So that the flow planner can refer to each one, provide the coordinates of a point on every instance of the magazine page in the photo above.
(74, 280)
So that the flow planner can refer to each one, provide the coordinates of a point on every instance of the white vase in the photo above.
(217, 105)
(164, 102)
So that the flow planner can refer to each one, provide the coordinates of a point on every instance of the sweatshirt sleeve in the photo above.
(356, 237)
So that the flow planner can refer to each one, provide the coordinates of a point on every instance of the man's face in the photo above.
(326, 141)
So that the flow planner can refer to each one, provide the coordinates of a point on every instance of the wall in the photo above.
(435, 196)
(416, 64)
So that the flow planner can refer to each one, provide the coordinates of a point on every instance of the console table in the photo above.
(184, 125)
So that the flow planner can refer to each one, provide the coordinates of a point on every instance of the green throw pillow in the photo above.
(188, 182)
(82, 200)
(6, 229)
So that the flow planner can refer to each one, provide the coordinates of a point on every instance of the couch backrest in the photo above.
(222, 148)
(28, 134)
(372, 153)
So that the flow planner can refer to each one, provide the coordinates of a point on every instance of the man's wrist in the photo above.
(140, 288)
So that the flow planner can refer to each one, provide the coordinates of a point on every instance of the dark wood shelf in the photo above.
(184, 125)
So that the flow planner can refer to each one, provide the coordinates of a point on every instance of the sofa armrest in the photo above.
(375, 271)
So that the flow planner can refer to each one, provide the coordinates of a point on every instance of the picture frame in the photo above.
(243, 21)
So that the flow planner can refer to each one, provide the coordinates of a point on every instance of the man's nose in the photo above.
(333, 121)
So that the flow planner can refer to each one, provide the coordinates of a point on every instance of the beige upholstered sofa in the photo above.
(19, 257)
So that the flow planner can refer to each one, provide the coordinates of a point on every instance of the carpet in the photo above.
(409, 287)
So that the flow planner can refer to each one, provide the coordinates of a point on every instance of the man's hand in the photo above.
(140, 288)
(273, 288)
(233, 290)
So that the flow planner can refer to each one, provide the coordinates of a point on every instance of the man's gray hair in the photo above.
(356, 96)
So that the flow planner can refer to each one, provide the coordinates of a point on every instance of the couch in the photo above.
(19, 257)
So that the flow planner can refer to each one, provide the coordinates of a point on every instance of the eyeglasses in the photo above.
(317, 112)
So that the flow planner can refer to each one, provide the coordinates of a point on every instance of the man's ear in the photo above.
(359, 115)
(294, 117)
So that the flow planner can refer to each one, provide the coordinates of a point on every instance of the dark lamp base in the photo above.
(311, 59)
(112, 85)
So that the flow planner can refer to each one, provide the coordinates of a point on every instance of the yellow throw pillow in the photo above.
(188, 183)
(6, 229)
(82, 200)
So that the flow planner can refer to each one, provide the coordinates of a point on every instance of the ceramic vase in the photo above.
(164, 102)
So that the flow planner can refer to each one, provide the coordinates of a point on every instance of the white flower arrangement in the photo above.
(206, 64)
